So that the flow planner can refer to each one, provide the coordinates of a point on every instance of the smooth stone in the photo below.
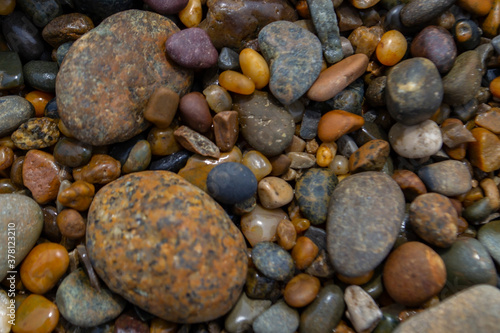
(101, 9)
(72, 153)
(359, 239)
(336, 123)
(375, 93)
(489, 120)
(414, 91)
(416, 141)
(226, 129)
(128, 38)
(295, 56)
(84, 306)
(416, 13)
(66, 28)
(485, 151)
(278, 318)
(130, 322)
(27, 217)
(467, 263)
(195, 112)
(36, 133)
(479, 211)
(232, 23)
(448, 178)
(41, 175)
(50, 110)
(324, 314)
(41, 75)
(274, 192)
(173, 162)
(362, 310)
(317, 235)
(228, 60)
(436, 44)
(167, 7)
(231, 183)
(489, 236)
(265, 125)
(61, 52)
(350, 99)
(301, 290)
(11, 70)
(36, 314)
(166, 217)
(260, 224)
(22, 36)
(272, 260)
(162, 107)
(192, 48)
(138, 158)
(14, 111)
(309, 124)
(313, 191)
(41, 12)
(301, 160)
(259, 286)
(371, 156)
(472, 310)
(463, 80)
(243, 314)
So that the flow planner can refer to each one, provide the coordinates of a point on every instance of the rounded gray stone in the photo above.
(489, 236)
(278, 318)
(464, 79)
(448, 178)
(272, 260)
(325, 312)
(14, 110)
(41, 75)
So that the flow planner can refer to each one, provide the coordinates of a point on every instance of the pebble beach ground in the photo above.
(267, 166)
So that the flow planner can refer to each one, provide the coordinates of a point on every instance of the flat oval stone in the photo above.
(265, 125)
(231, 183)
(324, 314)
(192, 48)
(36, 314)
(22, 36)
(313, 191)
(84, 306)
(41, 75)
(436, 44)
(464, 79)
(489, 236)
(14, 110)
(448, 178)
(416, 141)
(278, 318)
(414, 91)
(419, 12)
(295, 56)
(178, 244)
(128, 43)
(272, 260)
(24, 215)
(36, 133)
(364, 216)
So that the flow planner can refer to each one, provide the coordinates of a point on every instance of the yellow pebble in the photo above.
(191, 15)
(236, 82)
(325, 153)
(255, 67)
(391, 48)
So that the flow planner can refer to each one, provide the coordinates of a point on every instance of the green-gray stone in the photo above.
(313, 191)
(388, 323)
(11, 70)
(243, 313)
(374, 287)
(14, 110)
(272, 260)
(278, 318)
(82, 305)
(478, 211)
(41, 75)
(61, 52)
(325, 312)
(41, 12)
(489, 236)
(464, 79)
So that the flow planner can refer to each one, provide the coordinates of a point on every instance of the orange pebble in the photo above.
(304, 252)
(478, 7)
(359, 280)
(192, 14)
(492, 22)
(495, 87)
(255, 67)
(303, 9)
(39, 99)
(485, 152)
(391, 48)
(236, 82)
(336, 123)
(301, 290)
(36, 314)
(301, 224)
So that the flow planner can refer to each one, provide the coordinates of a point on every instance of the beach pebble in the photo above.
(416, 141)
(447, 177)
(192, 48)
(231, 183)
(272, 260)
(362, 310)
(278, 318)
(14, 111)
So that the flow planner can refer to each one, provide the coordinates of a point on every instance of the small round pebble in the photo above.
(416, 141)
(278, 318)
(301, 290)
(192, 48)
(272, 260)
(231, 183)
(447, 177)
(274, 192)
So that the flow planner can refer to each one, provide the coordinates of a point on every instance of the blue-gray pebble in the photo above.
(22, 36)
(272, 260)
(231, 183)
(489, 236)
(14, 110)
(41, 12)
(41, 75)
(278, 318)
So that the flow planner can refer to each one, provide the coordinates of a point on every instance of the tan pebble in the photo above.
(491, 192)
(280, 164)
(297, 145)
(336, 123)
(312, 146)
(325, 154)
(290, 175)
(101, 169)
(71, 223)
(260, 224)
(301, 224)
(258, 163)
(489, 120)
(226, 129)
(162, 107)
(162, 141)
(304, 252)
(218, 98)
(36, 133)
(78, 196)
(274, 192)
(301, 160)
(191, 15)
(196, 143)
(41, 176)
(301, 290)
(286, 234)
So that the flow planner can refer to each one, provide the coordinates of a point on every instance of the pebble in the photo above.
(139, 157)
(226, 130)
(325, 312)
(309, 125)
(258, 286)
(22, 36)
(7, 7)
(14, 111)
(337, 77)
(278, 318)
(264, 124)
(71, 224)
(413, 274)
(255, 67)
(244, 312)
(61, 52)
(447, 177)
(436, 44)
(236, 82)
(467, 34)
(72, 153)
(166, 7)
(272, 260)
(218, 98)
(313, 191)
(36, 314)
(101, 169)
(286, 234)
(36, 133)
(489, 120)
(359, 239)
(162, 107)
(365, 40)
(130, 322)
(292, 72)
(84, 306)
(194, 112)
(41, 75)
(192, 48)
(27, 216)
(173, 162)
(337, 123)
(485, 152)
(196, 143)
(326, 153)
(141, 37)
(455, 133)
(371, 156)
(473, 310)
(391, 48)
(489, 235)
(191, 15)
(414, 91)
(231, 183)
(304, 252)
(11, 69)
(204, 240)
(362, 310)
(163, 143)
(66, 28)
(274, 192)
(321, 266)
(39, 11)
(420, 12)
(228, 59)
(348, 19)
(416, 141)
(5, 321)
(481, 8)
(301, 160)
(100, 9)
(301, 290)
(463, 80)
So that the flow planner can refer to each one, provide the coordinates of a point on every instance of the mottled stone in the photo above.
(436, 44)
(36, 133)
(14, 111)
(375, 93)
(324, 314)
(66, 28)
(23, 215)
(35, 314)
(278, 318)
(196, 143)
(22, 36)
(138, 158)
(186, 260)
(231, 183)
(265, 125)
(244, 313)
(192, 48)
(370, 157)
(362, 310)
(274, 192)
(41, 175)
(313, 191)
(260, 224)
(464, 79)
(272, 260)
(419, 12)
(416, 141)
(41, 75)
(226, 129)
(489, 236)
(447, 178)
(61, 52)
(11, 70)
(40, 12)
(364, 217)
(122, 77)
(259, 286)
(295, 57)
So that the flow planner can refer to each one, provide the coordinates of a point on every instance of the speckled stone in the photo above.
(259, 286)
(66, 28)
(473, 310)
(324, 314)
(272, 260)
(14, 110)
(36, 133)
(370, 157)
(41, 75)
(489, 236)
(295, 56)
(84, 306)
(27, 217)
(265, 125)
(416, 13)
(231, 183)
(121, 78)
(192, 48)
(40, 12)
(364, 217)
(464, 79)
(185, 259)
(447, 177)
(61, 52)
(313, 191)
(278, 318)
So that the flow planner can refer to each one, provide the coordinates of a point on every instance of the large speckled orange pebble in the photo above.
(166, 246)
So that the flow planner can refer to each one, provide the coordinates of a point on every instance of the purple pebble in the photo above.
(192, 48)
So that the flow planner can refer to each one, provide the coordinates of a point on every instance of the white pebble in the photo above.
(416, 141)
(362, 310)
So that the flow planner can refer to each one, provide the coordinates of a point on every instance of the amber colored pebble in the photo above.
(162, 107)
(257, 163)
(304, 252)
(191, 15)
(78, 196)
(365, 40)
(364, 4)
(491, 191)
(297, 145)
(391, 48)
(159, 325)
(39, 99)
(286, 234)
(64, 130)
(44, 265)
(6, 157)
(301, 290)
(411, 185)
(7, 186)
(101, 169)
(485, 152)
(71, 223)
(489, 120)
(326, 153)
(226, 129)
(446, 20)
(336, 123)
(495, 87)
(457, 153)
(7, 6)
(162, 141)
(36, 314)
(370, 157)
(462, 225)
(6, 141)
(473, 195)
(50, 229)
(343, 328)
(478, 7)
(303, 9)
(129, 322)
(301, 224)
(254, 66)
(492, 22)
(236, 82)
(359, 280)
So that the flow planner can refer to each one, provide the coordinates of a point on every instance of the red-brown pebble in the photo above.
(71, 224)
(6, 157)
(162, 107)
(370, 157)
(286, 234)
(195, 142)
(304, 252)
(78, 196)
(336, 123)
(194, 111)
(41, 176)
(411, 185)
(101, 169)
(301, 290)
(226, 129)
(129, 322)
